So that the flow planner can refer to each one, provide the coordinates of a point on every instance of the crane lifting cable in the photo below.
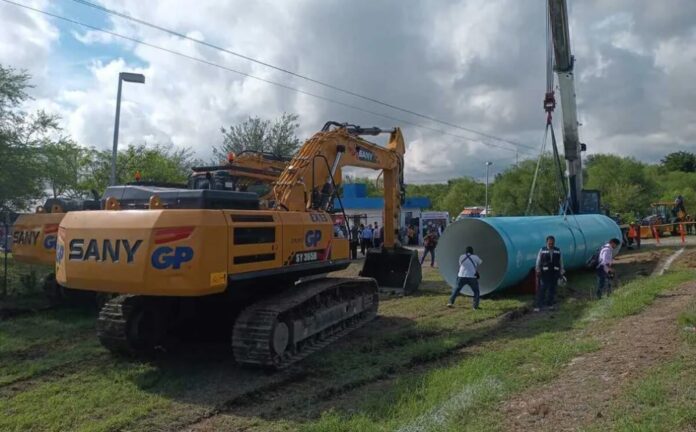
(536, 171)
(560, 177)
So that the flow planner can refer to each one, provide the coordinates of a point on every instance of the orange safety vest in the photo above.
(631, 232)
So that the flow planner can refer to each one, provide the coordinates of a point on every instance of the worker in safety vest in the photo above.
(634, 234)
(549, 268)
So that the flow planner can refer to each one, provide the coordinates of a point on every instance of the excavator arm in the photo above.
(313, 176)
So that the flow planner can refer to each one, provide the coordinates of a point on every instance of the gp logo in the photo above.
(165, 257)
(49, 242)
(312, 238)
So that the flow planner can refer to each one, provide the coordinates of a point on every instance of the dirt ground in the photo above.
(588, 385)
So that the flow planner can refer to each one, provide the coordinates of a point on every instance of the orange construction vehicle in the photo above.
(665, 217)
(254, 272)
(34, 234)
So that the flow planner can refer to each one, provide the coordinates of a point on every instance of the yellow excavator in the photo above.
(258, 274)
(34, 234)
(34, 240)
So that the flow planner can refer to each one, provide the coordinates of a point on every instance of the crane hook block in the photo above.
(549, 102)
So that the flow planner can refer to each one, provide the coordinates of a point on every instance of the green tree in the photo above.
(671, 184)
(510, 192)
(610, 174)
(21, 138)
(66, 167)
(153, 163)
(460, 193)
(680, 161)
(277, 137)
(436, 192)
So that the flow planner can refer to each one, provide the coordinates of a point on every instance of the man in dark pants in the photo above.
(366, 238)
(604, 268)
(354, 240)
(636, 232)
(549, 268)
(429, 243)
(468, 275)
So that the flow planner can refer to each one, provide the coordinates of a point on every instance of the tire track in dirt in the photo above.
(13, 388)
(292, 394)
(587, 386)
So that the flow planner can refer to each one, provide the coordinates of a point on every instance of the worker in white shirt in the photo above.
(468, 275)
(604, 268)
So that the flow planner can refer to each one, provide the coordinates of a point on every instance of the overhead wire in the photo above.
(296, 74)
(275, 83)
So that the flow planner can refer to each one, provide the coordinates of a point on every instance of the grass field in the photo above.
(418, 367)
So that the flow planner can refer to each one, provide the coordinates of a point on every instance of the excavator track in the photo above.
(288, 327)
(130, 325)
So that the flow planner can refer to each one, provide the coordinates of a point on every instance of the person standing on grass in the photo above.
(430, 243)
(354, 240)
(411, 234)
(468, 275)
(366, 239)
(605, 271)
(549, 268)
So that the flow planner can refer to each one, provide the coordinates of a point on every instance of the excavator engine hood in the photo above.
(394, 269)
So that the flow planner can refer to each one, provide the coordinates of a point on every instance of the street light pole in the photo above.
(128, 77)
(488, 164)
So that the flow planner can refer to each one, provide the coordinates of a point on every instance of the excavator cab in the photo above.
(396, 269)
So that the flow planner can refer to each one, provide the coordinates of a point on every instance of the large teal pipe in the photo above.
(508, 246)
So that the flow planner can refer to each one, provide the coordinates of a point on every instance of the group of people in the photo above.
(370, 236)
(548, 270)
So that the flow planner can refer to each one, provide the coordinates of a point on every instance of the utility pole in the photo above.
(128, 77)
(488, 165)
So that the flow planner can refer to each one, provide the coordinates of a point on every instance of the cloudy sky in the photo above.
(479, 64)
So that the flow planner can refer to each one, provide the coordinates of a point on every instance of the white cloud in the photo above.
(479, 63)
(26, 39)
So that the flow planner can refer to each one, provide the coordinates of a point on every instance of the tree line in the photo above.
(627, 186)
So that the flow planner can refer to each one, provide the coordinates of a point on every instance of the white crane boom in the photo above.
(563, 65)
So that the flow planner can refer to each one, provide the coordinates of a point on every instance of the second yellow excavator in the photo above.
(34, 234)
(254, 272)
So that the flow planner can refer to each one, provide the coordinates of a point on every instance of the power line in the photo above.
(219, 66)
(295, 74)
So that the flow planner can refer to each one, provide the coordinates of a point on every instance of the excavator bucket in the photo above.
(396, 270)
